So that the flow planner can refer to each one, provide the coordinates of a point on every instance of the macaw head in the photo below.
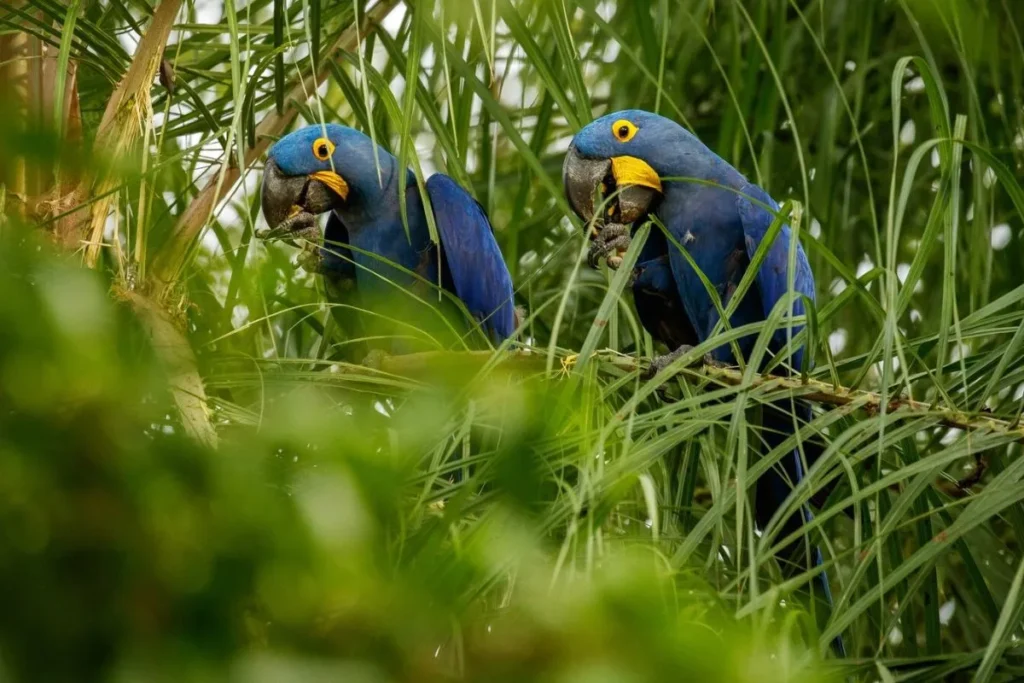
(624, 153)
(319, 168)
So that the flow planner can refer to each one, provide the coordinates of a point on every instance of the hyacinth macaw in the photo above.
(368, 248)
(720, 221)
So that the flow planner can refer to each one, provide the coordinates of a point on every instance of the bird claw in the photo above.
(310, 259)
(375, 359)
(610, 242)
(519, 315)
(300, 225)
(659, 363)
(300, 230)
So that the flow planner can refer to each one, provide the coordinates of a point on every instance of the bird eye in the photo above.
(623, 130)
(323, 149)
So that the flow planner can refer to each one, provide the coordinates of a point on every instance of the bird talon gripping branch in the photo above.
(375, 359)
(659, 363)
(310, 259)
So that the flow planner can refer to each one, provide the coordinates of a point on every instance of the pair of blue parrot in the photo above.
(647, 164)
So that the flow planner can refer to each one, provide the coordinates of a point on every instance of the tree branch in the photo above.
(119, 129)
(179, 362)
(812, 390)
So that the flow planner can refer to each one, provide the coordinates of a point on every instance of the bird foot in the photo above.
(302, 231)
(310, 259)
(659, 363)
(375, 359)
(609, 242)
(519, 315)
(300, 225)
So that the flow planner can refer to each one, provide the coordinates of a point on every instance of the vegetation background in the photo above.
(195, 486)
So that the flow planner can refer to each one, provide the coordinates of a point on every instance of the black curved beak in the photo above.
(583, 178)
(284, 196)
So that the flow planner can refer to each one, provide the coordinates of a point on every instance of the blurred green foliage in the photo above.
(466, 521)
(302, 550)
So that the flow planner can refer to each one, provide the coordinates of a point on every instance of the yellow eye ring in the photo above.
(323, 149)
(624, 130)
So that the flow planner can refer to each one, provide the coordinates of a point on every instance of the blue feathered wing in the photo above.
(772, 278)
(478, 271)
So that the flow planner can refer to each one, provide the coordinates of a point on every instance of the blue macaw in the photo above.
(720, 221)
(368, 248)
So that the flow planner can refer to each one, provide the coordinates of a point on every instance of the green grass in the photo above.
(595, 529)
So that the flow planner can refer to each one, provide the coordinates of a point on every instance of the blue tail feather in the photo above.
(772, 491)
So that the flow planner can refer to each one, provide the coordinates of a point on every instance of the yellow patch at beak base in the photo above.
(333, 181)
(633, 171)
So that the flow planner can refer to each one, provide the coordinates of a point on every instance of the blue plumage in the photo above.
(476, 265)
(366, 227)
(715, 214)
(772, 276)
(656, 296)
